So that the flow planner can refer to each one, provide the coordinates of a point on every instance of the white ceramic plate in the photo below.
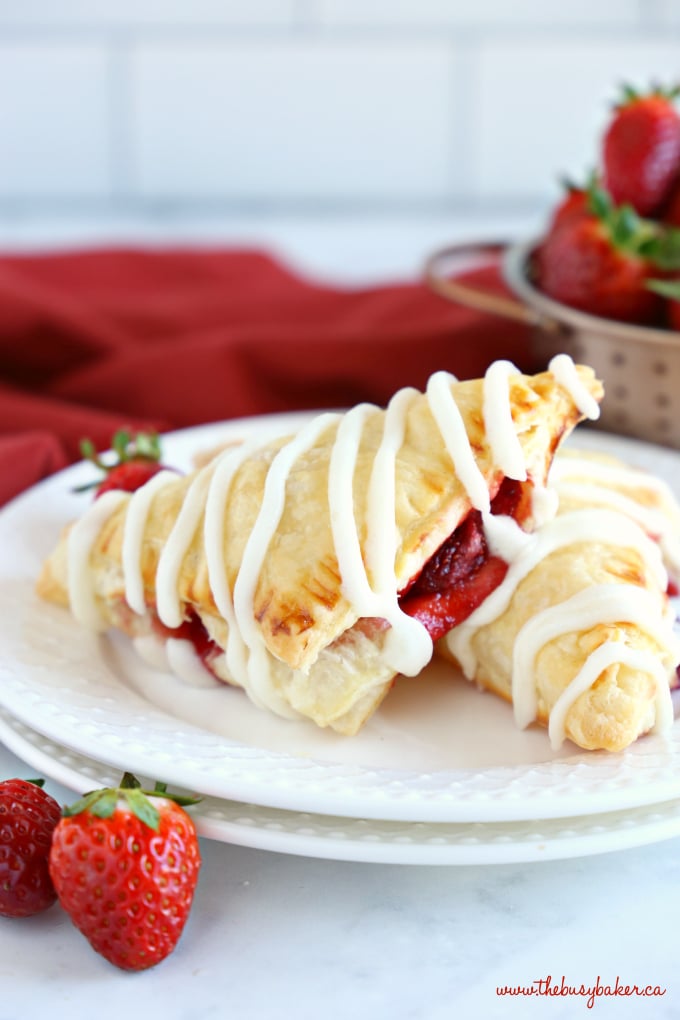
(437, 751)
(368, 840)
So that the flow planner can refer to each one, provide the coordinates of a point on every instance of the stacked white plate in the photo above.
(440, 775)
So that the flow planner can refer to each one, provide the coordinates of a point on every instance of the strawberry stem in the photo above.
(630, 94)
(129, 782)
(103, 803)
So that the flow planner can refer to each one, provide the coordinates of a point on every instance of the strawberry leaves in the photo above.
(630, 94)
(629, 232)
(136, 459)
(103, 803)
(127, 446)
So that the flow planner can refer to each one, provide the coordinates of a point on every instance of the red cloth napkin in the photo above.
(91, 341)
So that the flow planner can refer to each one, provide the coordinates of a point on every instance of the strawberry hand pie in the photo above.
(311, 569)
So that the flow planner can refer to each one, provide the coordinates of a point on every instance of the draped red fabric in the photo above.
(94, 340)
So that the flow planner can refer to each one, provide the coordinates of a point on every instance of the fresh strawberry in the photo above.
(137, 459)
(128, 477)
(573, 205)
(125, 863)
(599, 263)
(28, 817)
(641, 150)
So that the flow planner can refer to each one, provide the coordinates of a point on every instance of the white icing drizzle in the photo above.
(599, 604)
(186, 664)
(408, 646)
(564, 371)
(381, 535)
(500, 429)
(176, 655)
(151, 649)
(452, 428)
(260, 685)
(609, 654)
(81, 538)
(544, 504)
(524, 551)
(133, 536)
(354, 586)
(168, 602)
(228, 463)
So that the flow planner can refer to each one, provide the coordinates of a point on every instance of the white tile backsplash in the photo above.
(162, 111)
(320, 123)
(55, 134)
(159, 13)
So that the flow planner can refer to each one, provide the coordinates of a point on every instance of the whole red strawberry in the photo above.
(599, 263)
(125, 864)
(641, 150)
(28, 817)
(137, 459)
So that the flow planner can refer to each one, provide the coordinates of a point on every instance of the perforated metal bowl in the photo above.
(639, 366)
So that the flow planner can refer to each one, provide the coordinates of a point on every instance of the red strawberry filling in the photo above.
(193, 630)
(455, 580)
(461, 574)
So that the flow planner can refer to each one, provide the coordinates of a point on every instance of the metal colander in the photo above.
(639, 366)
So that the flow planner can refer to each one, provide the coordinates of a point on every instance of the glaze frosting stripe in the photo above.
(408, 646)
(564, 371)
(168, 602)
(603, 604)
(183, 661)
(452, 428)
(609, 654)
(381, 539)
(213, 534)
(500, 429)
(81, 538)
(354, 586)
(133, 536)
(259, 679)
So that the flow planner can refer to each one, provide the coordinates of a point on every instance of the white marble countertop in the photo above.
(272, 935)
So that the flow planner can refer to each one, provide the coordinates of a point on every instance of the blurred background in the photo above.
(350, 136)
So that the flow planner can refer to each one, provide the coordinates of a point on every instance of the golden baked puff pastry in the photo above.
(311, 569)
(579, 635)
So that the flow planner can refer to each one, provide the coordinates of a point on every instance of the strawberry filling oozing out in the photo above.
(454, 581)
(461, 574)
(192, 630)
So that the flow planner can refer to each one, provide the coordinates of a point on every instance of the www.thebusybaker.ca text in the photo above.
(548, 987)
